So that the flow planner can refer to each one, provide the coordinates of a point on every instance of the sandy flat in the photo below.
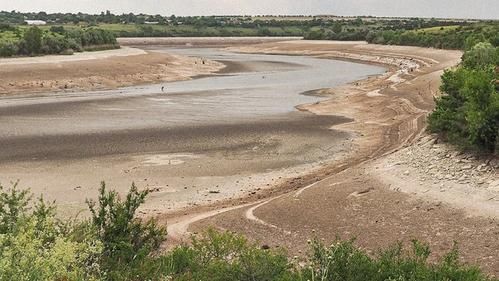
(97, 70)
(98, 55)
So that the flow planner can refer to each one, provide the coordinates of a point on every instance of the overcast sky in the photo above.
(488, 9)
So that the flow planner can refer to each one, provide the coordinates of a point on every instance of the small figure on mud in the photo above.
(162, 88)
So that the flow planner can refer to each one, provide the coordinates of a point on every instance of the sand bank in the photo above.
(97, 70)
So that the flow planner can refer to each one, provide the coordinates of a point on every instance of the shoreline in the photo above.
(247, 149)
(354, 198)
(319, 173)
(100, 70)
(299, 208)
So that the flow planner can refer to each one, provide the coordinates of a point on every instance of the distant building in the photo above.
(151, 22)
(35, 22)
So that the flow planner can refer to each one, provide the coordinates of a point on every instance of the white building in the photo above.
(35, 22)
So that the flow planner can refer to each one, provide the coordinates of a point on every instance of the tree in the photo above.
(33, 40)
(468, 113)
(57, 29)
(337, 27)
(481, 56)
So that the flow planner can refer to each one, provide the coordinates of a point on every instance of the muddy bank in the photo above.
(97, 70)
(353, 197)
(193, 142)
(185, 166)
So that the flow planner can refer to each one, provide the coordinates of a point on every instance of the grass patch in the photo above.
(439, 29)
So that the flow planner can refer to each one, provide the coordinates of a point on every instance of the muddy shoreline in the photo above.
(101, 70)
(147, 141)
(344, 192)
(353, 197)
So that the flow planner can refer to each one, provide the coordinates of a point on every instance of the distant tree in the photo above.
(337, 27)
(33, 40)
(57, 29)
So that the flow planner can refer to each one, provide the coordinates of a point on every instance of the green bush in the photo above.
(115, 245)
(54, 44)
(58, 41)
(127, 241)
(34, 245)
(226, 256)
(468, 112)
(342, 261)
(481, 56)
(8, 49)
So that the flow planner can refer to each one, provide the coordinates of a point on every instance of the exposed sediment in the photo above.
(354, 197)
(98, 71)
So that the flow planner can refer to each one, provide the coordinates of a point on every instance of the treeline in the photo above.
(113, 244)
(459, 36)
(34, 41)
(192, 31)
(107, 17)
(468, 112)
(15, 17)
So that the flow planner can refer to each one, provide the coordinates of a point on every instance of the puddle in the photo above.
(167, 159)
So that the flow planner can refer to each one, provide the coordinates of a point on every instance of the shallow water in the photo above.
(269, 91)
(233, 132)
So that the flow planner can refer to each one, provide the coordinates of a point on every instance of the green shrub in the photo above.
(58, 41)
(481, 56)
(468, 112)
(54, 44)
(33, 40)
(57, 29)
(127, 241)
(34, 245)
(8, 49)
(115, 245)
(226, 256)
(342, 261)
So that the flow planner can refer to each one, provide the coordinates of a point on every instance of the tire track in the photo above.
(397, 136)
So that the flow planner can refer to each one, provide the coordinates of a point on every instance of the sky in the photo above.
(484, 9)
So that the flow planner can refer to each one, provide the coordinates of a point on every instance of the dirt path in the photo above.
(352, 198)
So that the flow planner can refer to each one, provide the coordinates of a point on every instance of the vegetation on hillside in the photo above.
(34, 41)
(449, 37)
(468, 112)
(113, 244)
(438, 33)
